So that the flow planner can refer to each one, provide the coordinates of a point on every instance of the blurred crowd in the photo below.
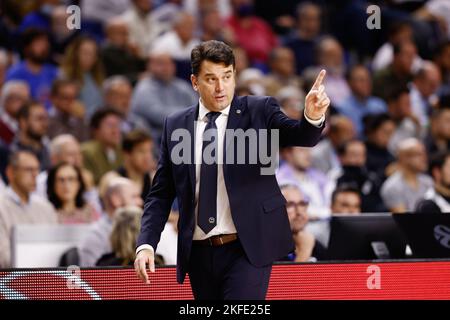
(82, 109)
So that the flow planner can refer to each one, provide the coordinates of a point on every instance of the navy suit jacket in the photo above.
(257, 204)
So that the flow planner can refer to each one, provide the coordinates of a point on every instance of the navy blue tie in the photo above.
(207, 202)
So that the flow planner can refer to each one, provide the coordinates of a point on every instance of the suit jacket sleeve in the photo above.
(292, 132)
(160, 198)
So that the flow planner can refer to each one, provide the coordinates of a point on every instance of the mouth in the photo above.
(220, 98)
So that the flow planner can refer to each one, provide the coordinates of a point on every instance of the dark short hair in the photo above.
(342, 148)
(13, 157)
(438, 160)
(134, 138)
(31, 34)
(51, 182)
(99, 115)
(24, 111)
(373, 122)
(344, 188)
(59, 83)
(214, 51)
(394, 93)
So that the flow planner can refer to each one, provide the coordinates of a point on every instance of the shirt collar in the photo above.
(202, 111)
(15, 197)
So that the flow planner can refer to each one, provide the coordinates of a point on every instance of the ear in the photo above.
(194, 82)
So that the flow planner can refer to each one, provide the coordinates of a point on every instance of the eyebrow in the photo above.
(212, 74)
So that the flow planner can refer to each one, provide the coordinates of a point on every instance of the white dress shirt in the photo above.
(225, 224)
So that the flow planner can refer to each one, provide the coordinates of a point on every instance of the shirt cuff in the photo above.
(316, 123)
(145, 246)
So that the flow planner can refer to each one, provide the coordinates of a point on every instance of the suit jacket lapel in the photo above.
(235, 115)
(191, 118)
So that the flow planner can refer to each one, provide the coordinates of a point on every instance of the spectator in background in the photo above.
(14, 95)
(291, 100)
(142, 26)
(315, 185)
(117, 93)
(438, 137)
(82, 64)
(63, 113)
(361, 102)
(138, 159)
(65, 148)
(378, 130)
(160, 93)
(346, 199)
(103, 153)
(303, 40)
(118, 55)
(33, 69)
(324, 155)
(403, 189)
(4, 64)
(399, 32)
(330, 56)
(120, 192)
(96, 14)
(399, 109)
(352, 155)
(423, 92)
(65, 190)
(398, 73)
(32, 134)
(307, 249)
(60, 35)
(18, 205)
(214, 28)
(437, 199)
(241, 60)
(40, 16)
(442, 60)
(252, 33)
(125, 230)
(282, 71)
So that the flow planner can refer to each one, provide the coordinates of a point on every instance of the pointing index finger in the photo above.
(319, 79)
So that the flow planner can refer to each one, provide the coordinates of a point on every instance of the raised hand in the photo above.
(317, 101)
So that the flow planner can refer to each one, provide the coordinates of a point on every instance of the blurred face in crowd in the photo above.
(67, 183)
(299, 158)
(382, 135)
(441, 126)
(355, 154)
(331, 56)
(445, 174)
(283, 62)
(443, 59)
(401, 107)
(70, 153)
(119, 97)
(290, 107)
(215, 84)
(109, 132)
(184, 27)
(35, 127)
(341, 130)
(140, 158)
(296, 207)
(66, 96)
(309, 21)
(162, 67)
(414, 158)
(241, 59)
(22, 176)
(360, 82)
(131, 196)
(16, 98)
(212, 22)
(38, 50)
(347, 202)
(117, 33)
(143, 5)
(430, 80)
(87, 55)
(403, 60)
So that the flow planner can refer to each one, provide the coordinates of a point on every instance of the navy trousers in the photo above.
(224, 273)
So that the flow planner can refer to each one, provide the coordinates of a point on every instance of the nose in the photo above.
(219, 85)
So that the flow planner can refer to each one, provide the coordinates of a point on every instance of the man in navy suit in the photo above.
(233, 222)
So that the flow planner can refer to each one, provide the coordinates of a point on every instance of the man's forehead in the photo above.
(209, 67)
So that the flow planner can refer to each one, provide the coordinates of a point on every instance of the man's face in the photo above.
(300, 158)
(360, 82)
(442, 124)
(309, 20)
(383, 134)
(23, 176)
(17, 97)
(38, 50)
(347, 202)
(141, 157)
(131, 196)
(445, 173)
(404, 59)
(119, 97)
(37, 123)
(109, 131)
(215, 84)
(415, 158)
(71, 154)
(64, 99)
(355, 154)
(162, 67)
(296, 208)
(284, 63)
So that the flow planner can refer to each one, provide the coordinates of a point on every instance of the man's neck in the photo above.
(69, 206)
(410, 177)
(28, 141)
(32, 66)
(23, 196)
